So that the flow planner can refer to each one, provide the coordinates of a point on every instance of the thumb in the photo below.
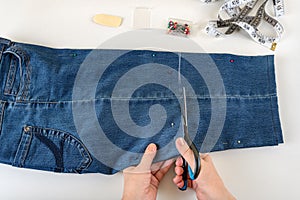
(185, 152)
(148, 157)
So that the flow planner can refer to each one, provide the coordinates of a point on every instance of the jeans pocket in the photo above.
(52, 150)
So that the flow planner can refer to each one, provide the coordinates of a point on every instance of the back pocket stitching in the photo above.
(24, 145)
(71, 140)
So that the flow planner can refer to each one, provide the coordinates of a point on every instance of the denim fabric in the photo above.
(39, 130)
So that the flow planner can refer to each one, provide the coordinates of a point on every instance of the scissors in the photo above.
(187, 171)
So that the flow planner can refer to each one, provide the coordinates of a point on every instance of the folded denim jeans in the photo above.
(96, 110)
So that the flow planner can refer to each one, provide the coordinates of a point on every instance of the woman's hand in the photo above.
(141, 182)
(208, 185)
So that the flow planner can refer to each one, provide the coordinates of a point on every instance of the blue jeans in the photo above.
(75, 110)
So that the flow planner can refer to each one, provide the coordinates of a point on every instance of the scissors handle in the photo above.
(184, 175)
(187, 171)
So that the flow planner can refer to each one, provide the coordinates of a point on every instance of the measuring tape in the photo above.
(239, 19)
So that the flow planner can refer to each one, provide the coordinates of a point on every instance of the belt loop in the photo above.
(18, 78)
(18, 52)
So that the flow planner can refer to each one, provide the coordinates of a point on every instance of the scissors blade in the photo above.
(184, 108)
(185, 122)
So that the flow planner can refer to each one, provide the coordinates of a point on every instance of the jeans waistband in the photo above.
(4, 41)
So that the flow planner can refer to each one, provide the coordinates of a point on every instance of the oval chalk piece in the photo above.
(108, 20)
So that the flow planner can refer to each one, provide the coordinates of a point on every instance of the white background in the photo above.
(257, 173)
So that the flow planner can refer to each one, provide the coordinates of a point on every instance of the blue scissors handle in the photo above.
(187, 171)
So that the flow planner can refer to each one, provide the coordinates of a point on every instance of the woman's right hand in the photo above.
(208, 185)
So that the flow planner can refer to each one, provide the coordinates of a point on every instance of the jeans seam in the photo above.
(271, 105)
(26, 81)
(3, 103)
(11, 77)
(1, 53)
(86, 159)
(141, 99)
(23, 149)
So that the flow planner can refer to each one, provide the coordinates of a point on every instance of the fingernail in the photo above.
(151, 147)
(181, 141)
